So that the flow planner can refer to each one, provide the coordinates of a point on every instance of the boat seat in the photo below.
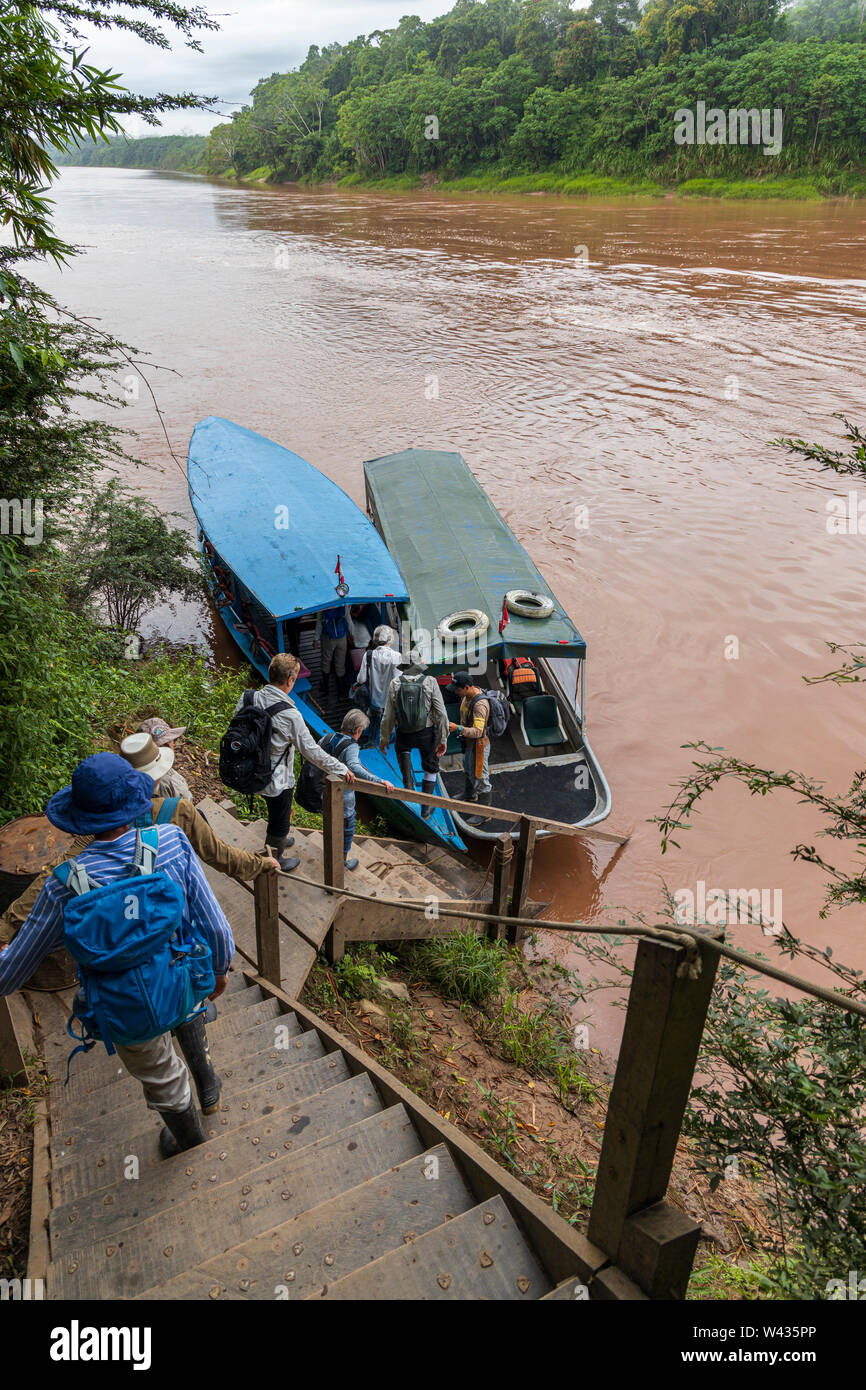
(540, 724)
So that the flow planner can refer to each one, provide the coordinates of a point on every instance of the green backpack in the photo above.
(410, 705)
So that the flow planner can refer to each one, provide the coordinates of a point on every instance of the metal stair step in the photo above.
(216, 1220)
(80, 1100)
(271, 1131)
(480, 1254)
(299, 1257)
(96, 1167)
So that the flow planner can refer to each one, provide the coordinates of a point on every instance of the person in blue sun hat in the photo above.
(130, 908)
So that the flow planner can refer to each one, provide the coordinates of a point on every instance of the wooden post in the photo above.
(332, 831)
(502, 853)
(649, 1241)
(522, 875)
(12, 1064)
(267, 900)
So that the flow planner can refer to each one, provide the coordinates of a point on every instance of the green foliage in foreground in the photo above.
(461, 966)
(357, 974)
(127, 558)
(64, 684)
(783, 1101)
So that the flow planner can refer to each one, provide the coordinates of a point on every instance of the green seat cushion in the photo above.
(541, 721)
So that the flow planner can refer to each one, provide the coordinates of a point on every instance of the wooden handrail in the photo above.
(470, 808)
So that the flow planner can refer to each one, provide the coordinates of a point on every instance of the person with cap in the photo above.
(151, 750)
(378, 668)
(414, 706)
(288, 732)
(472, 728)
(104, 799)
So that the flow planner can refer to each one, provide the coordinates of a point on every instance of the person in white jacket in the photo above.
(288, 732)
(378, 668)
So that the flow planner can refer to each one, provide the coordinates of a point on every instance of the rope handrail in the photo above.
(678, 936)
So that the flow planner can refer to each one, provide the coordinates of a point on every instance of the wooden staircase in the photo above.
(321, 1177)
(311, 918)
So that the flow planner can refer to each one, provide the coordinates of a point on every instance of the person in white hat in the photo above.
(153, 752)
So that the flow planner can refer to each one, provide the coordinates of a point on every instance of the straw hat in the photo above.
(142, 753)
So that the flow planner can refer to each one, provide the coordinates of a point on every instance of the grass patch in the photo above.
(263, 174)
(717, 1279)
(802, 190)
(585, 185)
(393, 183)
(183, 688)
(462, 966)
(537, 1041)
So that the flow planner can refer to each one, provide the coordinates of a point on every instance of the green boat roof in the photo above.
(456, 552)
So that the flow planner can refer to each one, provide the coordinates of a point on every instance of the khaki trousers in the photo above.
(163, 1075)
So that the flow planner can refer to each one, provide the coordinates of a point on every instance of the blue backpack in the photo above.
(164, 817)
(142, 972)
(334, 623)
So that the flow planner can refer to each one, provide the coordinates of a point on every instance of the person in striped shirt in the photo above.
(104, 799)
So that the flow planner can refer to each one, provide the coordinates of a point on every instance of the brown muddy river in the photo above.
(613, 374)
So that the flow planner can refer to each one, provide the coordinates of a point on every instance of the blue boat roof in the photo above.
(279, 524)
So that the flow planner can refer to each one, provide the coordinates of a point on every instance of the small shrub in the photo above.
(358, 972)
(537, 1041)
(462, 966)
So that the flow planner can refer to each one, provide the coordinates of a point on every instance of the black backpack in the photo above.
(245, 747)
(309, 791)
(410, 705)
(500, 714)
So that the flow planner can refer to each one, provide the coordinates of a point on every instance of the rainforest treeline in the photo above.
(518, 86)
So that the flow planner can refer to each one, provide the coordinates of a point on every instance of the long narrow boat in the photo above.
(475, 600)
(281, 543)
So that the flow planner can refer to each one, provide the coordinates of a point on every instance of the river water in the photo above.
(613, 373)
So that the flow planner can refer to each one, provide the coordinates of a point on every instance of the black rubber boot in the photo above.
(278, 849)
(430, 789)
(483, 799)
(192, 1039)
(182, 1131)
(404, 761)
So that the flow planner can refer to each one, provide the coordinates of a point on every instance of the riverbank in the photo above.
(797, 188)
(792, 187)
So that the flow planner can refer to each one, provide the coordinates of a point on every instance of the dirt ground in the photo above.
(16, 1150)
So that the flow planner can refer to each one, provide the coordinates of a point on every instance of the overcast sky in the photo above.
(256, 38)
